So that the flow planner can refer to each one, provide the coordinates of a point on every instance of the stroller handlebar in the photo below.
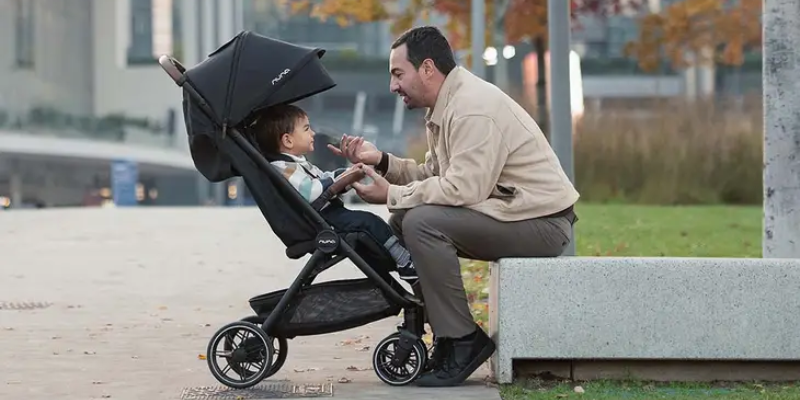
(173, 68)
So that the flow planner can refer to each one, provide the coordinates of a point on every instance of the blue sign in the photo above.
(124, 177)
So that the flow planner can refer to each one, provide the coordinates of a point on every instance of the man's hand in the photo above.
(357, 150)
(377, 192)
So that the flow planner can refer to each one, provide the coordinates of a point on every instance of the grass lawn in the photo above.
(607, 390)
(628, 230)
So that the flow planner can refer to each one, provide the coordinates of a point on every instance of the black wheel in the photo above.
(408, 370)
(246, 350)
(281, 346)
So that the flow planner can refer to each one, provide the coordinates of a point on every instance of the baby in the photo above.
(284, 132)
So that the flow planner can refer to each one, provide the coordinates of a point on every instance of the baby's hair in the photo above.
(272, 123)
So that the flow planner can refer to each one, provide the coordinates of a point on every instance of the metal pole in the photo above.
(781, 36)
(560, 99)
(478, 38)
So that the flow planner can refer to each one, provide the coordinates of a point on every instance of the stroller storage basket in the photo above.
(326, 307)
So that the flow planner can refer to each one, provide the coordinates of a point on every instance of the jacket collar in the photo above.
(284, 157)
(299, 159)
(435, 115)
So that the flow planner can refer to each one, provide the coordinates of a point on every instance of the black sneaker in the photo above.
(438, 354)
(463, 356)
(407, 273)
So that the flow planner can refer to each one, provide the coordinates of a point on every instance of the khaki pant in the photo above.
(437, 235)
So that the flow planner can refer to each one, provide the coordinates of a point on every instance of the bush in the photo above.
(678, 154)
(666, 153)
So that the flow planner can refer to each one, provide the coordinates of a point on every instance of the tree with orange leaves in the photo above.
(514, 20)
(519, 19)
(692, 32)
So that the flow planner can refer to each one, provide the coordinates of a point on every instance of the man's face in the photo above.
(405, 79)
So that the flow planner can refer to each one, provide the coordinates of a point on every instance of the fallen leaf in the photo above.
(162, 307)
(135, 357)
(9, 328)
(579, 389)
(354, 368)
(106, 396)
(364, 348)
(89, 353)
(55, 337)
(13, 383)
(306, 369)
(201, 356)
(344, 380)
(97, 382)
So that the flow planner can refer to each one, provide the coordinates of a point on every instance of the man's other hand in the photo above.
(375, 193)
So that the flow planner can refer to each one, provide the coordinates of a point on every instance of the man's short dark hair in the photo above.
(272, 123)
(427, 42)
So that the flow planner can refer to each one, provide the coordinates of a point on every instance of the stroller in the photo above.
(220, 98)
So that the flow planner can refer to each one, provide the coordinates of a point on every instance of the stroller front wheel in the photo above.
(247, 353)
(280, 344)
(396, 364)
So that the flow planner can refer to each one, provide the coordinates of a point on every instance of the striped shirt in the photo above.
(305, 177)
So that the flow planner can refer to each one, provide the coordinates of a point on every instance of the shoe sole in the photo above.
(472, 367)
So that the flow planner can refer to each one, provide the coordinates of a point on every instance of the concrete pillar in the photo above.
(15, 186)
(49, 191)
(238, 15)
(782, 129)
(197, 43)
(226, 20)
(191, 32)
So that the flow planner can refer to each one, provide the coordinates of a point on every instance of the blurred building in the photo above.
(78, 72)
(80, 79)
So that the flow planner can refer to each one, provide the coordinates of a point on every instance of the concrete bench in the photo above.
(646, 318)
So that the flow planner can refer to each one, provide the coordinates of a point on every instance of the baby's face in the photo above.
(301, 140)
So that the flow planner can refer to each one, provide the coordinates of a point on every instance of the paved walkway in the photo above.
(131, 298)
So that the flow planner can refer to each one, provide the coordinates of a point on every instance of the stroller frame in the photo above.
(327, 249)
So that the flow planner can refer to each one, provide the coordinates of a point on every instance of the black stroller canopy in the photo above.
(251, 72)
(248, 73)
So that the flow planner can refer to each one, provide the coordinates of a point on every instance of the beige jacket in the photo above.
(485, 153)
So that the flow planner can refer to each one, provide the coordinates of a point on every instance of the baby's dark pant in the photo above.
(345, 220)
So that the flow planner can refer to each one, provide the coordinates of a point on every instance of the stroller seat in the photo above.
(221, 96)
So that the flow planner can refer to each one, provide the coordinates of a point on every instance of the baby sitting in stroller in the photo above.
(283, 135)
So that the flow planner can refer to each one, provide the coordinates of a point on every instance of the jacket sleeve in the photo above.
(308, 186)
(477, 155)
(402, 171)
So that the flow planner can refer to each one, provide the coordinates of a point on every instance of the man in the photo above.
(490, 187)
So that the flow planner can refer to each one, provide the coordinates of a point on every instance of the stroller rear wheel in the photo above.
(397, 364)
(247, 351)
(280, 344)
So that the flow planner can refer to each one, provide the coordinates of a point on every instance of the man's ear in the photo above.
(428, 67)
